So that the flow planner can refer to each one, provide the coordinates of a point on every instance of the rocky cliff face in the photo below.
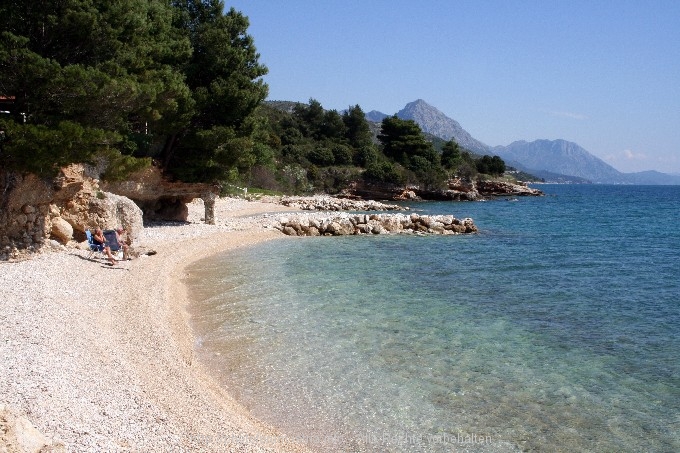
(159, 198)
(36, 212)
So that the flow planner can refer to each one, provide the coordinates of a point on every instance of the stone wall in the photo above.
(24, 207)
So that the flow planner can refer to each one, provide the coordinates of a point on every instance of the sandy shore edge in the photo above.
(101, 359)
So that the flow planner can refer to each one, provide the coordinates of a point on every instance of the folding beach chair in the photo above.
(112, 242)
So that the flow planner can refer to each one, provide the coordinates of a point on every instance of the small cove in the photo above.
(556, 328)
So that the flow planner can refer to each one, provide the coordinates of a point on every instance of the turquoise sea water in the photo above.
(557, 328)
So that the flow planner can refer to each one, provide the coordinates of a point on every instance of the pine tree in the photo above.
(173, 80)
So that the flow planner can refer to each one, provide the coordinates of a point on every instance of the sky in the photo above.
(601, 73)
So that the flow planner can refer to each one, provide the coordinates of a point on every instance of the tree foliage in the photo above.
(299, 138)
(492, 165)
(332, 146)
(358, 132)
(403, 141)
(451, 155)
(182, 73)
(40, 149)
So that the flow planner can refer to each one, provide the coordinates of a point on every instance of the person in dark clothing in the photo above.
(100, 241)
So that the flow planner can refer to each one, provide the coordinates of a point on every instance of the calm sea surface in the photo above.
(557, 328)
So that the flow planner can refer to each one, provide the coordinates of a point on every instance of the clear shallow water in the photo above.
(557, 328)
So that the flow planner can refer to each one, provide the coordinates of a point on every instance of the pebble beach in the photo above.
(100, 358)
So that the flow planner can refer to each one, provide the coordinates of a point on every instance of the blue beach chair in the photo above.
(112, 242)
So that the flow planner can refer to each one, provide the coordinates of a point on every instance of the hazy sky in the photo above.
(602, 73)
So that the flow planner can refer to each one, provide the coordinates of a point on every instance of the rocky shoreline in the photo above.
(457, 189)
(38, 214)
(354, 218)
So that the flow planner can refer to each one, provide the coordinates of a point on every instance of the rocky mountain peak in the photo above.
(376, 116)
(433, 121)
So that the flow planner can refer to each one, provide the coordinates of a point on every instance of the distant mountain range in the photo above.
(561, 157)
(552, 160)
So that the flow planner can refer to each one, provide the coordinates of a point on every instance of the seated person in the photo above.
(124, 241)
(100, 242)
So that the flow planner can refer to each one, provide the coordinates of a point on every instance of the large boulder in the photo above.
(62, 231)
(106, 211)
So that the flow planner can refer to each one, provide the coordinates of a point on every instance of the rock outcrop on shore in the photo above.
(458, 189)
(35, 212)
(355, 219)
(464, 190)
(357, 224)
(493, 188)
(159, 198)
